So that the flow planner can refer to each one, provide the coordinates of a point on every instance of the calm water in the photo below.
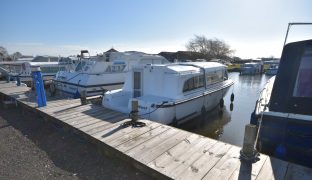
(229, 126)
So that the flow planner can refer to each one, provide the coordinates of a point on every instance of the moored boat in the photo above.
(94, 75)
(272, 70)
(283, 112)
(172, 93)
(251, 68)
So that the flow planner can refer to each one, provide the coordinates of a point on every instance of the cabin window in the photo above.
(80, 65)
(303, 86)
(214, 77)
(193, 83)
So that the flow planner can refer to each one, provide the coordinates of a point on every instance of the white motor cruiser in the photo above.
(171, 93)
(95, 75)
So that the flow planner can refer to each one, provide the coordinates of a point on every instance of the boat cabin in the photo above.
(172, 93)
(174, 81)
(116, 62)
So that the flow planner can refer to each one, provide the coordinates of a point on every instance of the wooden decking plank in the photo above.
(86, 126)
(163, 162)
(91, 130)
(80, 111)
(9, 91)
(60, 108)
(109, 118)
(295, 171)
(70, 111)
(77, 121)
(104, 125)
(142, 138)
(226, 166)
(137, 151)
(6, 85)
(207, 160)
(160, 148)
(84, 121)
(132, 133)
(183, 162)
(111, 134)
(86, 116)
(273, 169)
(100, 118)
(248, 170)
(58, 103)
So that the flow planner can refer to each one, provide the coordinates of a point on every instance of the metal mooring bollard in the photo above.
(38, 83)
(248, 151)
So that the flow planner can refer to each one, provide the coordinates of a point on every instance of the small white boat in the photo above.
(96, 74)
(48, 70)
(171, 93)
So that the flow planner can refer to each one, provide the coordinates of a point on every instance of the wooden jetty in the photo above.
(161, 151)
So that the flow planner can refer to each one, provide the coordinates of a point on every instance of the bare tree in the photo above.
(3, 54)
(210, 48)
(16, 55)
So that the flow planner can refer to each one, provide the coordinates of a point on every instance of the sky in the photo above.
(252, 28)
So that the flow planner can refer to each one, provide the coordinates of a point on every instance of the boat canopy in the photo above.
(292, 90)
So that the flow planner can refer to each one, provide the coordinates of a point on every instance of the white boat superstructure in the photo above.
(96, 74)
(48, 70)
(171, 93)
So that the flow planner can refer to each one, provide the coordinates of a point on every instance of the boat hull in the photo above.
(75, 90)
(187, 110)
(73, 84)
(170, 111)
(287, 138)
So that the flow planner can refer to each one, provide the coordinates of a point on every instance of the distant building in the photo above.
(111, 50)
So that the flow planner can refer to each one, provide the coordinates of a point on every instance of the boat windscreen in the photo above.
(303, 86)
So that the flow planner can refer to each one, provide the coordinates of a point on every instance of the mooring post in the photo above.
(134, 110)
(249, 151)
(83, 97)
(18, 81)
(8, 78)
(38, 83)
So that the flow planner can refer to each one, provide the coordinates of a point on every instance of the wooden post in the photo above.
(249, 140)
(83, 97)
(134, 109)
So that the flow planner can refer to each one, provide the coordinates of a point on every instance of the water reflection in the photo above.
(229, 126)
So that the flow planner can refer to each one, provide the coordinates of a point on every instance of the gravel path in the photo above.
(33, 149)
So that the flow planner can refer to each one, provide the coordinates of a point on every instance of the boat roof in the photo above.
(190, 67)
(251, 63)
(42, 63)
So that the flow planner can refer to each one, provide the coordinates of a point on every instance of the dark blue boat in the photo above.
(283, 112)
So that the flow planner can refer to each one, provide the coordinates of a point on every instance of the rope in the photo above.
(164, 102)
